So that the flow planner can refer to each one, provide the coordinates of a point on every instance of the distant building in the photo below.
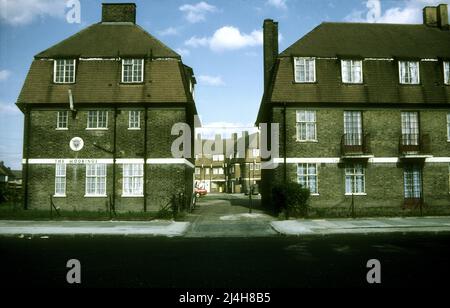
(99, 107)
(364, 110)
(233, 168)
(6, 175)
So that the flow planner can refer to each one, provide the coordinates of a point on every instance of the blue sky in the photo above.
(221, 40)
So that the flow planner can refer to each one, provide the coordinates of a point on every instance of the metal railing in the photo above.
(354, 144)
(414, 143)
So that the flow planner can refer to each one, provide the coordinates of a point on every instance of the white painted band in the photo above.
(170, 161)
(83, 161)
(336, 160)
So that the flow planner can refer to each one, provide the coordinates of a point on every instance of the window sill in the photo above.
(410, 84)
(356, 194)
(96, 128)
(136, 83)
(315, 195)
(137, 128)
(353, 83)
(95, 196)
(59, 196)
(132, 196)
(63, 83)
(61, 128)
(306, 141)
(304, 82)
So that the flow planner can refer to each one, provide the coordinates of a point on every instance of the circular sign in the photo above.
(76, 144)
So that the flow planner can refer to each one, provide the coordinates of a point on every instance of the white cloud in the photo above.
(4, 74)
(8, 109)
(409, 12)
(183, 52)
(215, 81)
(227, 38)
(168, 31)
(225, 129)
(22, 12)
(195, 13)
(279, 4)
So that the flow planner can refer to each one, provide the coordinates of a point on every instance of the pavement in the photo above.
(225, 215)
(362, 226)
(44, 228)
(228, 216)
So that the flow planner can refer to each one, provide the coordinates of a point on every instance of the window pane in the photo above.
(304, 69)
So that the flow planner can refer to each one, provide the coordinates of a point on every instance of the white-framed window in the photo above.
(251, 166)
(97, 119)
(447, 72)
(306, 125)
(448, 127)
(64, 71)
(355, 182)
(218, 157)
(255, 152)
(62, 120)
(412, 181)
(197, 171)
(307, 176)
(409, 72)
(133, 179)
(207, 171)
(410, 128)
(353, 127)
(96, 180)
(134, 119)
(217, 171)
(305, 69)
(351, 71)
(257, 166)
(60, 180)
(132, 70)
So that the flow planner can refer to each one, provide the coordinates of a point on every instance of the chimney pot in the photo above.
(119, 12)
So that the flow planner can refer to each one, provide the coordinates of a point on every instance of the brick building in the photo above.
(364, 110)
(232, 167)
(99, 108)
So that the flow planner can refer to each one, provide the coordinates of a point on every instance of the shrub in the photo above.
(291, 198)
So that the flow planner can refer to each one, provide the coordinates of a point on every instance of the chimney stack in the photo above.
(119, 12)
(442, 16)
(270, 37)
(436, 16)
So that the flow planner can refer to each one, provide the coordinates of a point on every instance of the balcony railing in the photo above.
(414, 144)
(355, 144)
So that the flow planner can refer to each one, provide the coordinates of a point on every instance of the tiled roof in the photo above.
(99, 82)
(367, 40)
(110, 40)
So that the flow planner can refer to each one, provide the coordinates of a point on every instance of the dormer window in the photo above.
(447, 72)
(132, 70)
(351, 71)
(305, 69)
(64, 71)
(409, 72)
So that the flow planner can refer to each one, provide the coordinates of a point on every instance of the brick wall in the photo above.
(163, 180)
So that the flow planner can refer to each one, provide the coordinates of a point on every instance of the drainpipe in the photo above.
(26, 154)
(284, 144)
(145, 159)
(114, 159)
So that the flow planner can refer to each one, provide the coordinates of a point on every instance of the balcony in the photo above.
(356, 146)
(414, 146)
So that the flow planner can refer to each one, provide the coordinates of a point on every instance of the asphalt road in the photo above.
(410, 260)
